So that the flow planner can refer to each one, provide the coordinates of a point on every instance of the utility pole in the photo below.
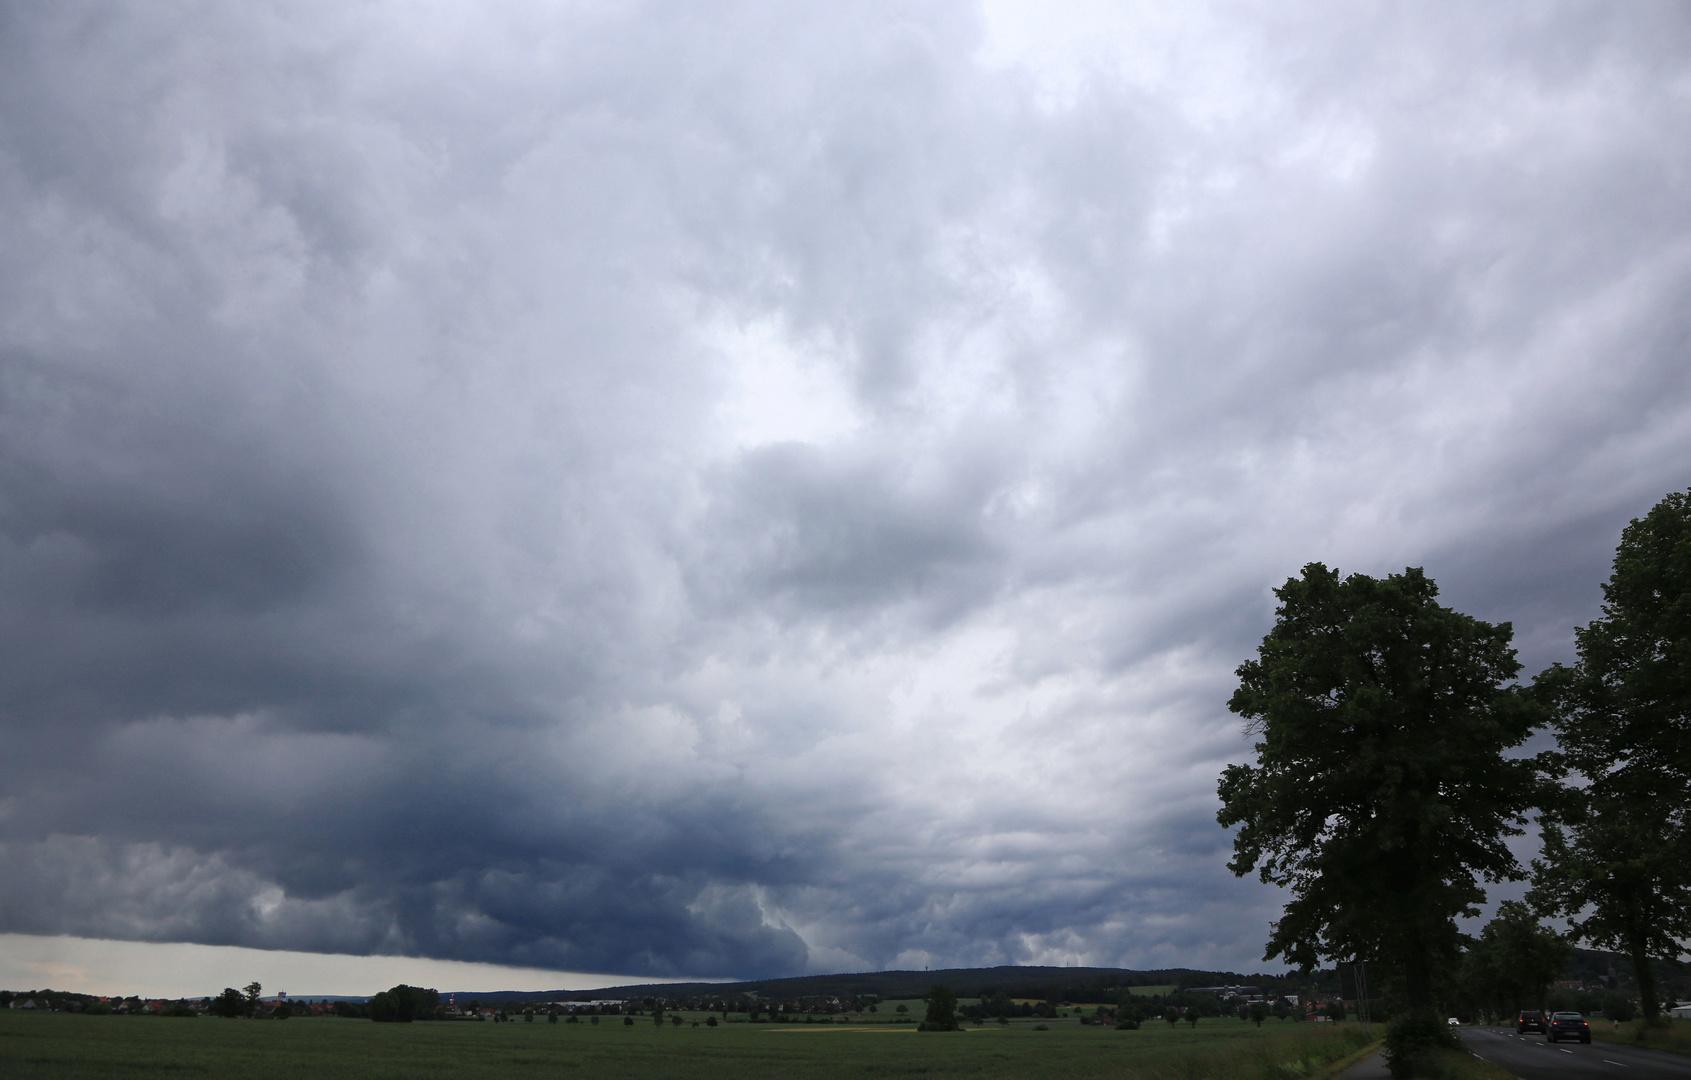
(1362, 998)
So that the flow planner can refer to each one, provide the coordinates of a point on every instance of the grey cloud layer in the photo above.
(726, 493)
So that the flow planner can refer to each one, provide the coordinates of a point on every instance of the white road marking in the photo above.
(1614, 1063)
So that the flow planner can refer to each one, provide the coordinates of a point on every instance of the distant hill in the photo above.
(1593, 967)
(965, 982)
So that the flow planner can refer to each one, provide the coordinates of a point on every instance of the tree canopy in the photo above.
(1515, 960)
(1381, 794)
(1617, 849)
(942, 1011)
(231, 1003)
(403, 1004)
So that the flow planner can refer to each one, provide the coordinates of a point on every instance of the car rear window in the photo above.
(1569, 1016)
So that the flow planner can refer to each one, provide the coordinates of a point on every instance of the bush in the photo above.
(1413, 1042)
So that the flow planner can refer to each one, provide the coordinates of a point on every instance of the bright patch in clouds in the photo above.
(146, 969)
(778, 390)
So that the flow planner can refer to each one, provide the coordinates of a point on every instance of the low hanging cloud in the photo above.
(737, 491)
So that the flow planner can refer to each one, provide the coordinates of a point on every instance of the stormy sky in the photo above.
(750, 488)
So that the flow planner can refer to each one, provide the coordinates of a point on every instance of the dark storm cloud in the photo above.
(728, 493)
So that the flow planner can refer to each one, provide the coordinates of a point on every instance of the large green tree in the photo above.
(231, 1003)
(1381, 793)
(1514, 961)
(942, 1011)
(1616, 855)
(403, 1004)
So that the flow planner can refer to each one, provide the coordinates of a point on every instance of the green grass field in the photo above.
(71, 1047)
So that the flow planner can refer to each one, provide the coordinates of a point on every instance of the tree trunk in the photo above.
(1417, 981)
(1646, 980)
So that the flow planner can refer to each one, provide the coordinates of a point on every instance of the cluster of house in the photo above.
(477, 1011)
(106, 1004)
(138, 1006)
(1314, 1009)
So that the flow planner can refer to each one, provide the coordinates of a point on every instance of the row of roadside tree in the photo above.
(1393, 766)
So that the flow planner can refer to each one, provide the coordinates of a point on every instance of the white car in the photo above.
(1455, 1022)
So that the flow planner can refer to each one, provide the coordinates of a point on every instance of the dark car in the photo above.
(1529, 1020)
(1567, 1025)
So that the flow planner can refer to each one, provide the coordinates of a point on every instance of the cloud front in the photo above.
(737, 491)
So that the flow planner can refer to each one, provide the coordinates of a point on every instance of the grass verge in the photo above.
(1674, 1036)
(1333, 1069)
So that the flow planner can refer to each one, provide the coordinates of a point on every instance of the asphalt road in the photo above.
(1531, 1058)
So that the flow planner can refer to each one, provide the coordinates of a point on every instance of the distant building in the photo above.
(1225, 991)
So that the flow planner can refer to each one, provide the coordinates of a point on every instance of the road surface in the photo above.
(1531, 1058)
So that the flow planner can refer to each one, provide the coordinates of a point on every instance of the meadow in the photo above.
(59, 1046)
